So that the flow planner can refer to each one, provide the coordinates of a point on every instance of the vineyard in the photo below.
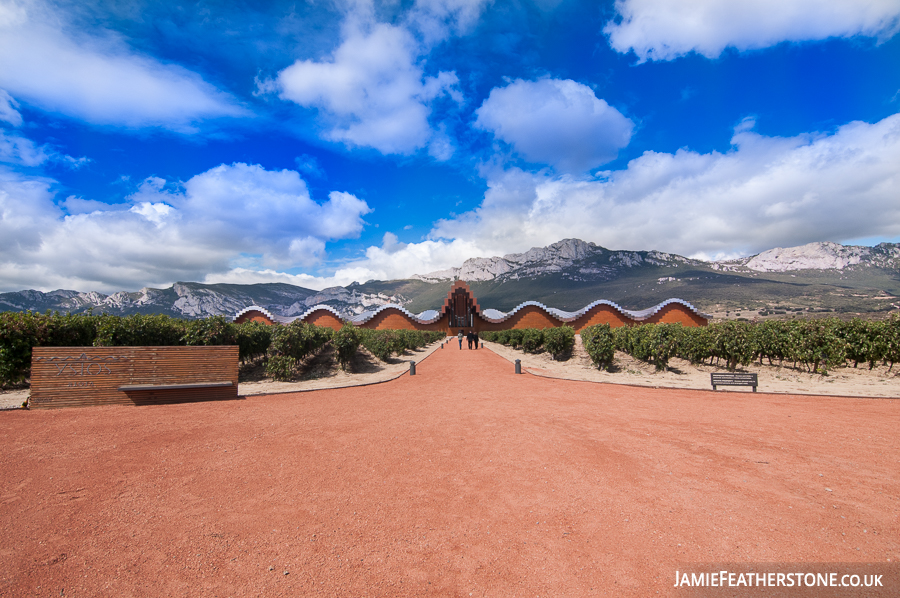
(282, 348)
(556, 341)
(817, 345)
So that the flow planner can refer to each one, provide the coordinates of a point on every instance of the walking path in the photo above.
(465, 479)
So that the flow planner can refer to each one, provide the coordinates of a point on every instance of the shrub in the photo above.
(600, 344)
(559, 341)
(215, 330)
(532, 340)
(733, 342)
(281, 367)
(253, 339)
(298, 340)
(663, 340)
(139, 330)
(346, 342)
(695, 344)
(514, 337)
(378, 344)
(19, 332)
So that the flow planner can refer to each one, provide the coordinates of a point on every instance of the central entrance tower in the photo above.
(460, 306)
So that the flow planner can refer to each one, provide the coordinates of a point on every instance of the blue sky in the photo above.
(322, 142)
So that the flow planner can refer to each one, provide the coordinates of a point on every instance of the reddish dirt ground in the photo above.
(464, 480)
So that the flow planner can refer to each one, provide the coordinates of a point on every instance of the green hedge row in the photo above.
(556, 341)
(295, 341)
(20, 331)
(284, 346)
(818, 345)
(384, 343)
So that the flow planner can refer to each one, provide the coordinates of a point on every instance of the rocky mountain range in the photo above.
(197, 300)
(568, 275)
(574, 259)
(568, 258)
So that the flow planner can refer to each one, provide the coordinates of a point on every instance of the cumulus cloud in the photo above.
(765, 192)
(392, 260)
(555, 121)
(99, 78)
(667, 29)
(372, 91)
(251, 209)
(167, 231)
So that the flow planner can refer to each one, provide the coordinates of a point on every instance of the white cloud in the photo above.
(766, 192)
(167, 232)
(372, 92)
(8, 109)
(250, 276)
(557, 122)
(21, 151)
(392, 260)
(667, 29)
(309, 165)
(79, 205)
(98, 78)
(251, 207)
(437, 20)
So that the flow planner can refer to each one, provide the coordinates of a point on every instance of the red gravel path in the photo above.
(462, 480)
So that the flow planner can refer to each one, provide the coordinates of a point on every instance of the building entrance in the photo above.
(461, 308)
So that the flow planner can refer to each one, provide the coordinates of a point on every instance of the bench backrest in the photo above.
(80, 376)
(733, 379)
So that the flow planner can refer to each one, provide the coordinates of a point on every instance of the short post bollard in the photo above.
(518, 366)
(412, 368)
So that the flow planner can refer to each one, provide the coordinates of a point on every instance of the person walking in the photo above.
(475, 338)
(460, 339)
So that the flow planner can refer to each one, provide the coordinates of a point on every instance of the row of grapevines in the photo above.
(20, 331)
(818, 345)
(283, 346)
(556, 341)
(384, 343)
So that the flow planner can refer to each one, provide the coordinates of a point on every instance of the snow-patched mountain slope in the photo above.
(820, 256)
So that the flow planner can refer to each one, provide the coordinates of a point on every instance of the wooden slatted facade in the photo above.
(82, 376)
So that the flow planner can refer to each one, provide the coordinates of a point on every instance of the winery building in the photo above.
(461, 311)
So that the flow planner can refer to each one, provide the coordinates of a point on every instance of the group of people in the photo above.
(471, 338)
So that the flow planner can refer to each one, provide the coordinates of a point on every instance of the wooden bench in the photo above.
(82, 376)
(733, 379)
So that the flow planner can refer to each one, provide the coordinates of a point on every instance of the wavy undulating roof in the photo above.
(495, 316)
(287, 319)
(430, 316)
(265, 312)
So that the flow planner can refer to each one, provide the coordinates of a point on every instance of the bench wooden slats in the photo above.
(733, 379)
